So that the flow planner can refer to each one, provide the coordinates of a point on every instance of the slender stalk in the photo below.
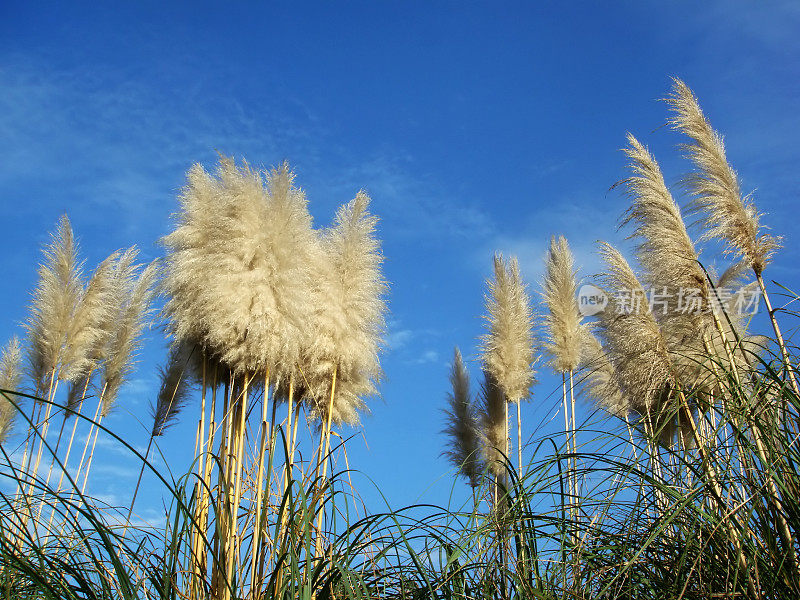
(711, 476)
(326, 432)
(573, 429)
(519, 440)
(240, 442)
(91, 456)
(570, 492)
(255, 583)
(95, 420)
(778, 336)
(43, 436)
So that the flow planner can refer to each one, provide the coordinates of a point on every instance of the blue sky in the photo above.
(475, 127)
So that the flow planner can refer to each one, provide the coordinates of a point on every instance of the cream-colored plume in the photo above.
(664, 248)
(89, 326)
(507, 349)
(348, 325)
(565, 331)
(54, 300)
(726, 215)
(134, 295)
(680, 298)
(10, 379)
(238, 267)
(601, 378)
(462, 428)
(631, 335)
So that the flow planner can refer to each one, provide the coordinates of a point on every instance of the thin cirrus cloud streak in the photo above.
(134, 143)
(581, 221)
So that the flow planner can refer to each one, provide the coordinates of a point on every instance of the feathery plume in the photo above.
(601, 380)
(238, 267)
(664, 247)
(10, 379)
(507, 349)
(125, 339)
(493, 424)
(632, 336)
(11, 365)
(349, 317)
(670, 264)
(464, 445)
(88, 326)
(54, 299)
(175, 387)
(726, 215)
(563, 319)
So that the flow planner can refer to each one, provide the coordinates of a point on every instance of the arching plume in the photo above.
(173, 395)
(125, 339)
(680, 298)
(601, 378)
(632, 336)
(89, 326)
(724, 213)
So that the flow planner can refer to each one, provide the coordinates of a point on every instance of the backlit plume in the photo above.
(724, 213)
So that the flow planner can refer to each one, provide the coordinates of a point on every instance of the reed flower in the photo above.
(670, 264)
(89, 325)
(238, 267)
(507, 349)
(57, 293)
(10, 379)
(601, 378)
(726, 215)
(349, 313)
(632, 336)
(563, 319)
(493, 424)
(664, 248)
(463, 429)
(135, 292)
(175, 387)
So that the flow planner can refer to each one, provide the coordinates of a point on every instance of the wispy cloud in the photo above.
(426, 357)
(581, 220)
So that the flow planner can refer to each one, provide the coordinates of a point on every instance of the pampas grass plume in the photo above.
(725, 214)
(175, 387)
(10, 379)
(563, 319)
(664, 247)
(601, 378)
(631, 334)
(349, 317)
(238, 267)
(89, 326)
(507, 349)
(56, 295)
(137, 291)
(462, 429)
(493, 424)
